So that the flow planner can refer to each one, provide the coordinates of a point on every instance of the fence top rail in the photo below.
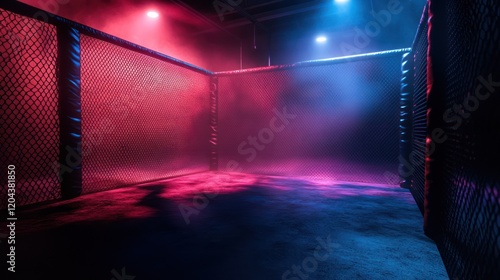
(35, 13)
(43, 16)
(319, 62)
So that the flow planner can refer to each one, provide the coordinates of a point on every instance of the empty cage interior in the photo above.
(146, 119)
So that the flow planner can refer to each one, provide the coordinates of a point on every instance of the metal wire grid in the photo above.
(470, 243)
(142, 118)
(419, 128)
(29, 116)
(346, 123)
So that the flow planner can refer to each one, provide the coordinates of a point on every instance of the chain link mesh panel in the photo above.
(142, 118)
(419, 111)
(29, 128)
(470, 242)
(339, 121)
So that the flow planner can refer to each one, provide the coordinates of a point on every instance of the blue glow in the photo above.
(341, 1)
(321, 39)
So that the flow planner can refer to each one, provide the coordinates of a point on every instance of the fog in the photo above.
(127, 19)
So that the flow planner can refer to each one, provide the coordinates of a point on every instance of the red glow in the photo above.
(153, 14)
(130, 21)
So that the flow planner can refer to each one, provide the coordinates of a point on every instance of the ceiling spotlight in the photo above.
(153, 14)
(321, 39)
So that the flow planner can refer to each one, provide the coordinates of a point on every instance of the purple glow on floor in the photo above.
(125, 203)
(329, 169)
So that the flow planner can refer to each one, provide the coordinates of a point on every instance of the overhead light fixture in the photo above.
(321, 39)
(153, 14)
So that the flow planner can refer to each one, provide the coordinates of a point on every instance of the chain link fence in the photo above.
(419, 111)
(470, 241)
(145, 116)
(459, 192)
(29, 116)
(338, 120)
(142, 118)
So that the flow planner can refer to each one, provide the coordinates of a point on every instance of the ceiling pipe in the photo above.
(203, 17)
(256, 23)
(209, 21)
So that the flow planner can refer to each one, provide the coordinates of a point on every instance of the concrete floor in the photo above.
(229, 226)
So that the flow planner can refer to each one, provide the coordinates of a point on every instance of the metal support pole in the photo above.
(214, 93)
(70, 157)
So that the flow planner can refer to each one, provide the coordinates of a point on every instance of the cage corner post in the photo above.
(214, 130)
(434, 197)
(406, 118)
(69, 86)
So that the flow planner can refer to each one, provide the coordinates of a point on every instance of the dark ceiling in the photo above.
(231, 34)
(286, 29)
(267, 14)
(277, 15)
